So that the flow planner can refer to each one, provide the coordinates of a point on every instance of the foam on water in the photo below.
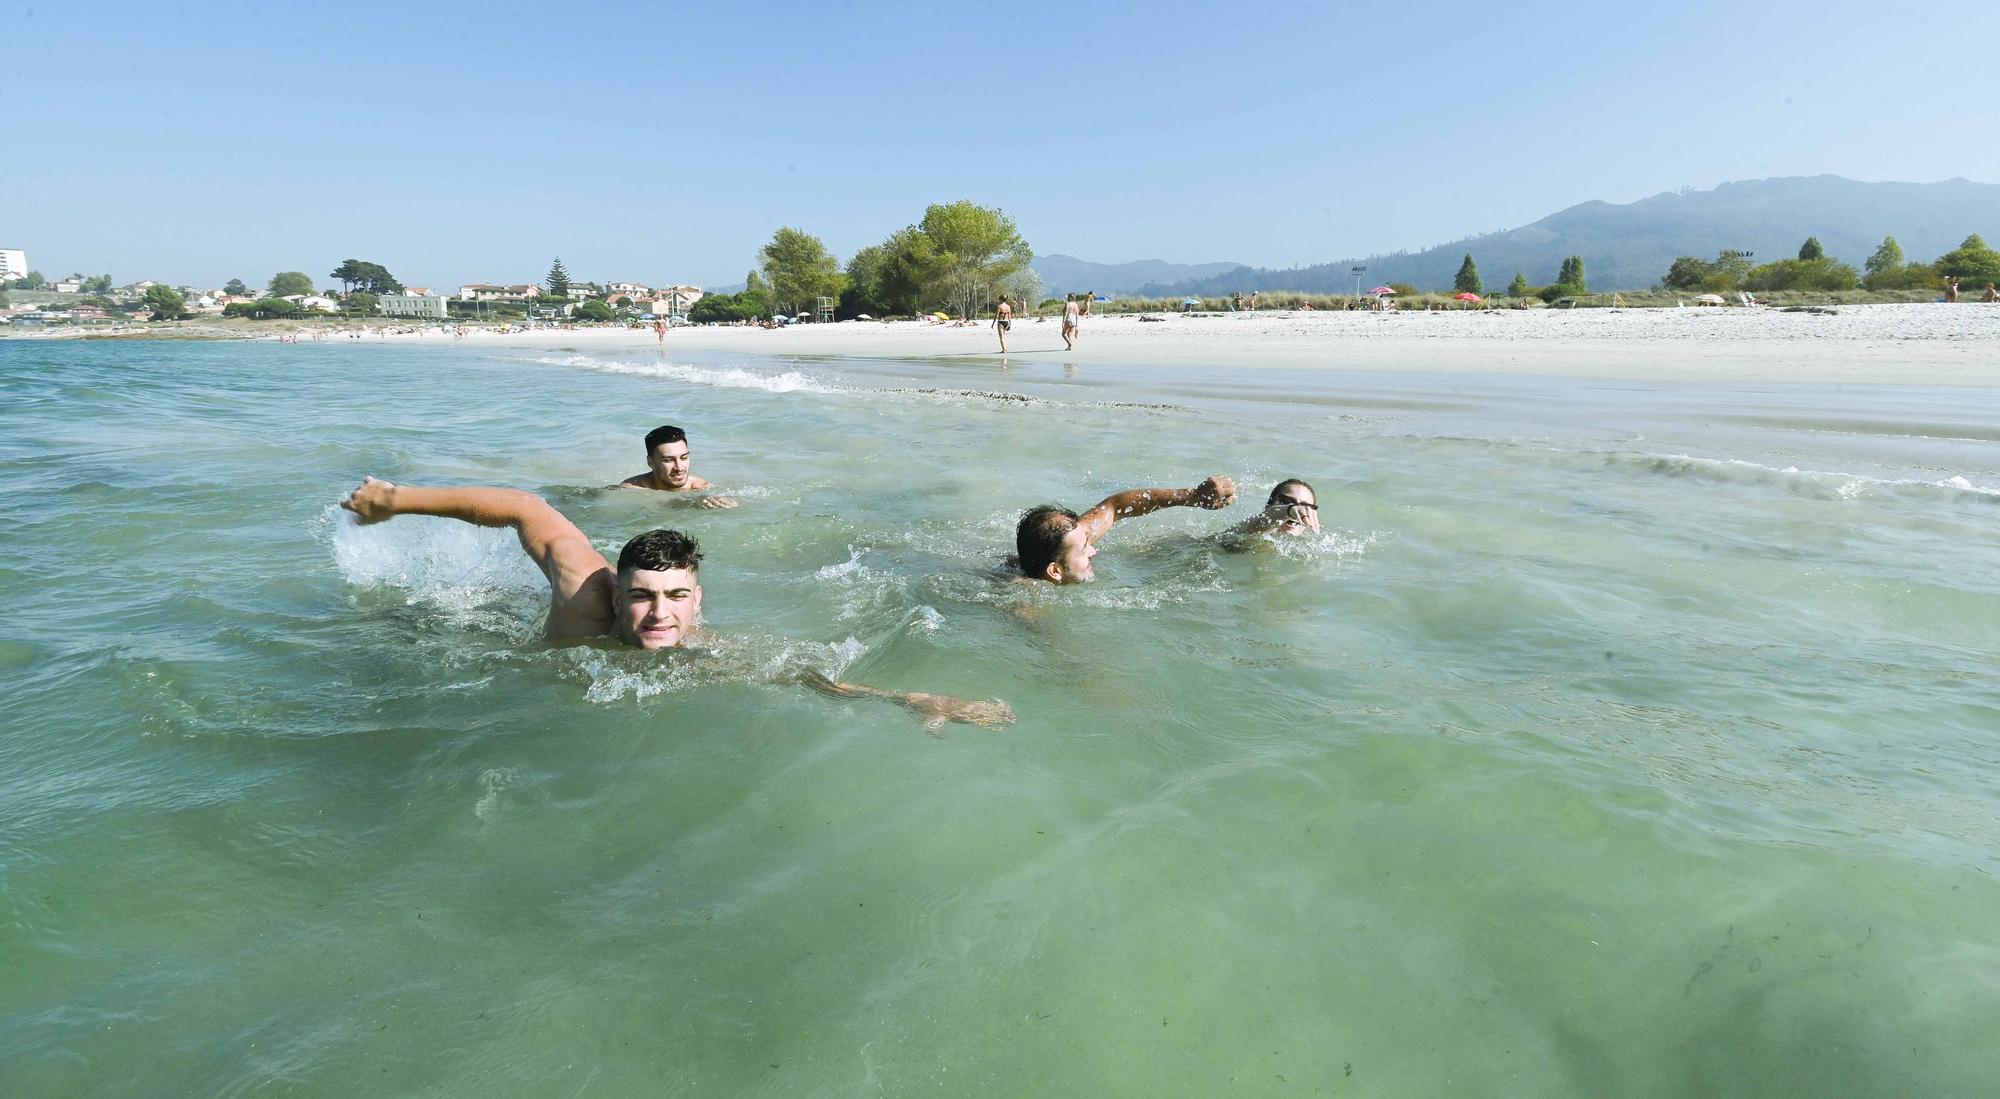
(789, 381)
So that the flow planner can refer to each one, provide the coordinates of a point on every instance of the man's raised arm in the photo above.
(1215, 492)
(579, 576)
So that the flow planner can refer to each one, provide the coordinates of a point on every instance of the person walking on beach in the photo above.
(1056, 544)
(1003, 319)
(670, 468)
(660, 330)
(652, 600)
(1951, 288)
(1070, 315)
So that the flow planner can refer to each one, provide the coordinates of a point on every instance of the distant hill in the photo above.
(1630, 246)
(1062, 274)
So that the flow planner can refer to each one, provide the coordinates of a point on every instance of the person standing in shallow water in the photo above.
(652, 600)
(1070, 315)
(1003, 319)
(1056, 544)
(670, 468)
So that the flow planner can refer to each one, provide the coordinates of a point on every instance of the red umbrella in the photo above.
(1383, 290)
(1468, 297)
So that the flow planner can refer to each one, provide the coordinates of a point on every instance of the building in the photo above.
(675, 301)
(427, 306)
(633, 290)
(71, 285)
(480, 291)
(13, 263)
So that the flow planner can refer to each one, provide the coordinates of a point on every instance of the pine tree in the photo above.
(1811, 249)
(1467, 281)
(1571, 275)
(1887, 258)
(557, 280)
(1519, 288)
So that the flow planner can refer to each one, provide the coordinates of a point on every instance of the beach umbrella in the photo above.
(1383, 290)
(1190, 301)
(1712, 299)
(1469, 296)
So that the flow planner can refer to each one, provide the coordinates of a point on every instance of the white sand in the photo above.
(1930, 344)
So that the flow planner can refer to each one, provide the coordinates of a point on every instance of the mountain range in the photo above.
(1062, 274)
(1629, 245)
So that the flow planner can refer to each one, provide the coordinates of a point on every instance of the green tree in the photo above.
(33, 280)
(284, 284)
(593, 311)
(1519, 288)
(556, 282)
(165, 303)
(1570, 277)
(1811, 250)
(1688, 273)
(97, 284)
(348, 273)
(1467, 279)
(800, 269)
(1888, 257)
(236, 289)
(1973, 262)
(363, 302)
(965, 251)
(364, 275)
(721, 308)
(756, 295)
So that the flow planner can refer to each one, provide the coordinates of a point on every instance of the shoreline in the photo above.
(1927, 344)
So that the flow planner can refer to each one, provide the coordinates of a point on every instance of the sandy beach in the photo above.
(1927, 344)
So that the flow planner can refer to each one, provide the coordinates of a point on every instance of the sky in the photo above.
(665, 142)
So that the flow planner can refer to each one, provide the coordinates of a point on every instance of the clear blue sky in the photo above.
(665, 141)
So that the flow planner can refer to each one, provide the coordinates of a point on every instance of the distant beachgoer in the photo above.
(1992, 294)
(1070, 315)
(1253, 301)
(1951, 288)
(1056, 544)
(1088, 297)
(652, 600)
(1291, 509)
(1003, 319)
(1306, 306)
(670, 468)
(660, 330)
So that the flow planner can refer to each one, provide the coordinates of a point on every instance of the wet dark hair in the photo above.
(1038, 540)
(660, 550)
(1281, 486)
(665, 433)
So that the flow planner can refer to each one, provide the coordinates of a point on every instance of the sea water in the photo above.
(1611, 739)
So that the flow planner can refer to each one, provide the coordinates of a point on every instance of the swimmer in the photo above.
(1291, 509)
(652, 600)
(1056, 544)
(670, 468)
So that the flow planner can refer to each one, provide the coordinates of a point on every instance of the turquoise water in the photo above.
(1614, 739)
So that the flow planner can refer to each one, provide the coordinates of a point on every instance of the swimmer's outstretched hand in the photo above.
(1216, 492)
(938, 709)
(372, 501)
(717, 502)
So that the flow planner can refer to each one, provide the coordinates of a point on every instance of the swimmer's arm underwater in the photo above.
(935, 709)
(579, 576)
(1215, 492)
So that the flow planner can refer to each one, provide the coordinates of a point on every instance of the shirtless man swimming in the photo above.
(652, 600)
(669, 468)
(1056, 544)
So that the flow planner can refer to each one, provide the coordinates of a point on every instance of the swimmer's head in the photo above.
(658, 598)
(668, 457)
(1292, 508)
(1051, 546)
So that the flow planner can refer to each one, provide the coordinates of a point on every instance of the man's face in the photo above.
(1072, 565)
(657, 610)
(669, 462)
(1294, 511)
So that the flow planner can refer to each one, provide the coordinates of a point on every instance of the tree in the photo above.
(165, 303)
(1687, 273)
(97, 284)
(365, 275)
(363, 302)
(593, 311)
(721, 307)
(1973, 262)
(1467, 279)
(1023, 285)
(1571, 276)
(33, 280)
(756, 294)
(284, 284)
(349, 273)
(1888, 257)
(1811, 250)
(965, 251)
(1519, 288)
(800, 269)
(557, 280)
(236, 289)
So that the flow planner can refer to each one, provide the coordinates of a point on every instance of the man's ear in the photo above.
(1052, 571)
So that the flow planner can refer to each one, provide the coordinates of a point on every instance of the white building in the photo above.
(13, 263)
(675, 301)
(428, 306)
(70, 285)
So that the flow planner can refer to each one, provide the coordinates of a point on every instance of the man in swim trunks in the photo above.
(1291, 509)
(670, 468)
(1003, 319)
(652, 600)
(1056, 544)
(1070, 315)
